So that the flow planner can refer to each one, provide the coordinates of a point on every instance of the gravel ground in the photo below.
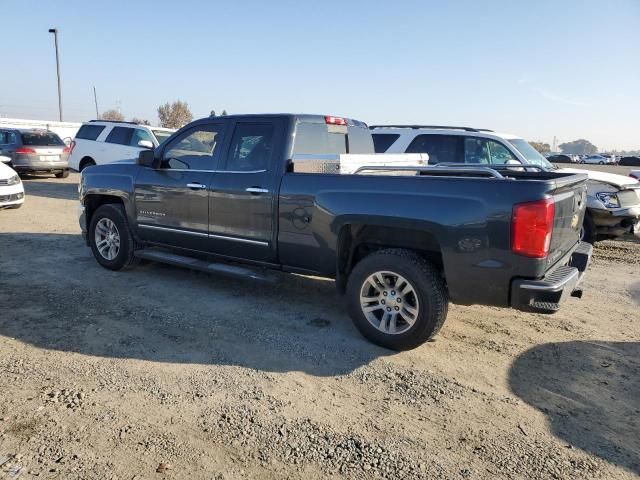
(160, 372)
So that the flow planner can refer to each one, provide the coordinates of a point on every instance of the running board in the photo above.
(163, 256)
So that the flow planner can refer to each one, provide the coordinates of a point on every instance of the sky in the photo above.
(569, 69)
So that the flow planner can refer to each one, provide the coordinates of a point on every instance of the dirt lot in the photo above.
(120, 375)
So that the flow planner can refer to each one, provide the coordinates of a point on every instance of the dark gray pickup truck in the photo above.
(401, 242)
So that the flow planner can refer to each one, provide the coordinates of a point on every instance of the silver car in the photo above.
(35, 151)
(597, 160)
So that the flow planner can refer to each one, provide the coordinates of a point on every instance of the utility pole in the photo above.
(55, 38)
(95, 99)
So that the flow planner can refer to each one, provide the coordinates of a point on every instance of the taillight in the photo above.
(335, 120)
(25, 150)
(69, 149)
(531, 227)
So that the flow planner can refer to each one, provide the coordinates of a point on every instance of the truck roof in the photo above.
(302, 117)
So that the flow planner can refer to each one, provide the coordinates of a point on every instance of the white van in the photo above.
(103, 141)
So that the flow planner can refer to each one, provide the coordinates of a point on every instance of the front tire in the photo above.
(397, 299)
(588, 231)
(110, 237)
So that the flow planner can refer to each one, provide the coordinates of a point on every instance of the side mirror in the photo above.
(514, 165)
(145, 144)
(146, 158)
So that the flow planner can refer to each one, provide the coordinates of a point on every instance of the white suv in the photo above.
(456, 145)
(613, 201)
(103, 141)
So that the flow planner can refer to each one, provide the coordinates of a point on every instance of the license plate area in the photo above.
(49, 158)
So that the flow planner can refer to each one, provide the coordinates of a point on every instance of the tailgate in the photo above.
(570, 200)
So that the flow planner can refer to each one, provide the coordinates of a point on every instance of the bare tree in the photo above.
(113, 115)
(541, 147)
(174, 115)
(140, 121)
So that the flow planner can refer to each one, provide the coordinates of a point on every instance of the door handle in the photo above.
(196, 186)
(256, 190)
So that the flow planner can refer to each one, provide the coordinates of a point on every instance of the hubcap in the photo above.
(107, 238)
(389, 302)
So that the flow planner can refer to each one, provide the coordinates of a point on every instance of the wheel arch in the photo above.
(356, 241)
(83, 162)
(93, 201)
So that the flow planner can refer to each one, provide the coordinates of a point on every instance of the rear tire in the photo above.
(63, 174)
(407, 275)
(588, 232)
(112, 244)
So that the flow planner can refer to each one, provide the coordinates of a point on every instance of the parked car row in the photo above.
(100, 141)
(599, 159)
(36, 151)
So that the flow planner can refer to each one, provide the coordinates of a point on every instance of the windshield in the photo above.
(41, 139)
(532, 156)
(161, 135)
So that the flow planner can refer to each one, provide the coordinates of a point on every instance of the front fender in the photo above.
(99, 185)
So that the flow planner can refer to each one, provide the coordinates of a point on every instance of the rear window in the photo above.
(382, 141)
(316, 139)
(120, 135)
(441, 148)
(40, 139)
(90, 132)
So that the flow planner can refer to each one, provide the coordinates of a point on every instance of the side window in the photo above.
(251, 147)
(476, 151)
(12, 138)
(3, 138)
(193, 150)
(120, 135)
(89, 132)
(441, 148)
(382, 141)
(500, 155)
(139, 134)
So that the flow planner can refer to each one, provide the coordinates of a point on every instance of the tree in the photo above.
(541, 147)
(113, 115)
(224, 113)
(174, 115)
(212, 113)
(578, 147)
(140, 122)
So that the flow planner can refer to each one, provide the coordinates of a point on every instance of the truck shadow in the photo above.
(35, 186)
(590, 392)
(55, 296)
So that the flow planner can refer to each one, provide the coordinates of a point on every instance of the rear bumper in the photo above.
(41, 167)
(546, 294)
(34, 163)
